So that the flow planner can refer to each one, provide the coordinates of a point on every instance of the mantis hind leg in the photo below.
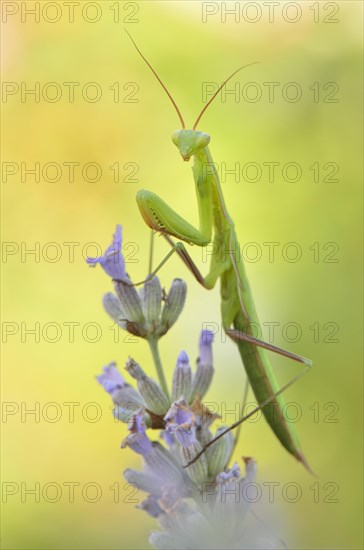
(261, 406)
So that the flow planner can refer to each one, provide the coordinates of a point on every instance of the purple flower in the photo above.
(112, 262)
(179, 412)
(137, 440)
(232, 474)
(111, 379)
(181, 421)
(168, 438)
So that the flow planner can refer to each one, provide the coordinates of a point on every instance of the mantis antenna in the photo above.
(219, 90)
(159, 80)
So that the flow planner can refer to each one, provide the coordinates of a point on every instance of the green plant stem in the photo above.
(153, 344)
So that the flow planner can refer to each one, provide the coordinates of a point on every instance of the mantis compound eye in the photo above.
(176, 136)
(202, 140)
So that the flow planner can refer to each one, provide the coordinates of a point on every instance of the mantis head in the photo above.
(189, 142)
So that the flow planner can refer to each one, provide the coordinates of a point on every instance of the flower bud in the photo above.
(198, 471)
(151, 299)
(174, 304)
(128, 397)
(164, 540)
(154, 398)
(166, 469)
(181, 384)
(124, 414)
(206, 339)
(144, 481)
(163, 461)
(203, 435)
(128, 402)
(205, 371)
(131, 306)
(113, 307)
(151, 506)
(232, 502)
(219, 453)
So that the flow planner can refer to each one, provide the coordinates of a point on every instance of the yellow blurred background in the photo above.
(300, 105)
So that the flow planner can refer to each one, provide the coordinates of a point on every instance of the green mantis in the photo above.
(237, 306)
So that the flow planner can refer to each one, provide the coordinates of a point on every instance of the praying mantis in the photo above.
(237, 305)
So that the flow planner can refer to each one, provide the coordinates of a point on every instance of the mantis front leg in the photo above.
(159, 216)
(162, 218)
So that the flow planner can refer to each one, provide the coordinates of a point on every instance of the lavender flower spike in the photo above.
(112, 262)
(206, 504)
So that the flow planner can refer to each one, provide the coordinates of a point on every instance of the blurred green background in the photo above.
(55, 288)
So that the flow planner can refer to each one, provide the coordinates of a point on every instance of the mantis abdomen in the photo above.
(238, 309)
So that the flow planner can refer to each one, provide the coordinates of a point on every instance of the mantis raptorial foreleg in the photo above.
(161, 217)
(237, 305)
